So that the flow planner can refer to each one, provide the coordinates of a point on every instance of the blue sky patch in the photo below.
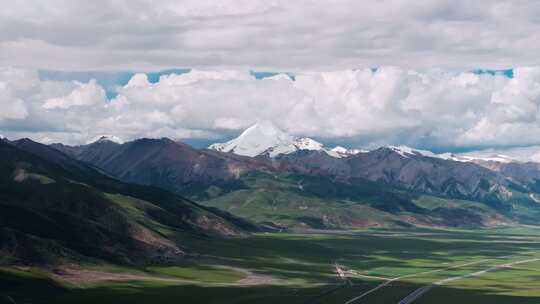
(109, 80)
(263, 74)
(506, 72)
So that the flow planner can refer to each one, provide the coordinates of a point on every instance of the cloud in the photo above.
(437, 109)
(278, 34)
(12, 107)
(403, 101)
(14, 85)
(85, 94)
(524, 154)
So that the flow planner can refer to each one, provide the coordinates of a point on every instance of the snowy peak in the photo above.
(105, 138)
(306, 143)
(340, 152)
(265, 138)
(406, 151)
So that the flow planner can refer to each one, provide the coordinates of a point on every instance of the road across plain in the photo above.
(382, 285)
(386, 283)
(424, 289)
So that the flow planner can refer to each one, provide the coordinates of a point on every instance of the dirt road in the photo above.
(424, 289)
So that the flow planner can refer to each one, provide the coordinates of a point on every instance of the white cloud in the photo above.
(512, 115)
(138, 80)
(12, 107)
(390, 105)
(85, 94)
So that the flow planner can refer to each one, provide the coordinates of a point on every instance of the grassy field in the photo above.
(299, 268)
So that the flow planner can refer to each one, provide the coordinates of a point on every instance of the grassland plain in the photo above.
(301, 268)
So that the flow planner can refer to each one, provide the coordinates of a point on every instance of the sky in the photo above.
(438, 75)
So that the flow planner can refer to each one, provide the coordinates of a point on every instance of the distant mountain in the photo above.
(55, 209)
(412, 172)
(407, 168)
(408, 151)
(165, 163)
(425, 173)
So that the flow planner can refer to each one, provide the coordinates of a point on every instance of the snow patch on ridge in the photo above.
(340, 152)
(406, 152)
(494, 158)
(102, 138)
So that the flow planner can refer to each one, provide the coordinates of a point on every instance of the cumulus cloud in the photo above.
(85, 94)
(364, 107)
(271, 34)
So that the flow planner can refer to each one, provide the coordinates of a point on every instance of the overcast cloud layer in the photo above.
(280, 35)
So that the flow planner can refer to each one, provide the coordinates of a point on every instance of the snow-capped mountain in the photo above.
(340, 152)
(265, 138)
(102, 138)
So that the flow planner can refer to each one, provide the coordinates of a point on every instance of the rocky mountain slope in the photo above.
(165, 163)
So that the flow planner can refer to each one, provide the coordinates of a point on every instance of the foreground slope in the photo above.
(55, 209)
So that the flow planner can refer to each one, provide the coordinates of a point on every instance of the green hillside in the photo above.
(301, 201)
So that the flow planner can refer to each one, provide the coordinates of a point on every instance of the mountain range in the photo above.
(146, 200)
(280, 181)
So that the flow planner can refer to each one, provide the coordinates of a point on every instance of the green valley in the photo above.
(300, 268)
